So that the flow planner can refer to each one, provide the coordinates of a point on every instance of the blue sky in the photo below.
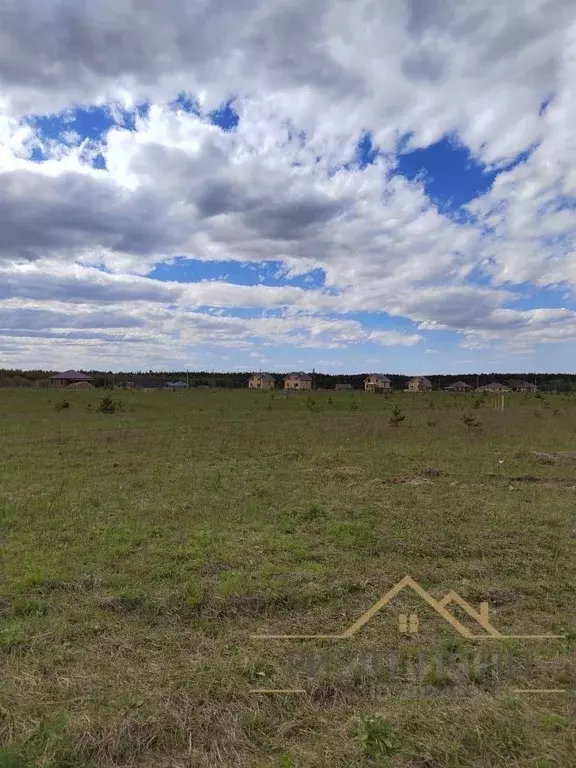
(417, 216)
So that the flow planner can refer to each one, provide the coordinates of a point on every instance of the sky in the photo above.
(384, 185)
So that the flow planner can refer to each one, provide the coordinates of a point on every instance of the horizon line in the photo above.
(238, 371)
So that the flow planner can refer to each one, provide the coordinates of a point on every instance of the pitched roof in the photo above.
(176, 384)
(72, 376)
(423, 379)
(301, 375)
(264, 376)
(494, 386)
(379, 376)
(459, 384)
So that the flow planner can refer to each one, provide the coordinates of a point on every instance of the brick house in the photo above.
(522, 386)
(261, 381)
(494, 388)
(298, 380)
(459, 386)
(419, 384)
(377, 382)
(69, 377)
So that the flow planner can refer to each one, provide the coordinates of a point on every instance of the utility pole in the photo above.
(313, 378)
(186, 378)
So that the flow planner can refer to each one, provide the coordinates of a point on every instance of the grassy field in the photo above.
(140, 550)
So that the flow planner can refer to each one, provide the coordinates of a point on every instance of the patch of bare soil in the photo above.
(548, 457)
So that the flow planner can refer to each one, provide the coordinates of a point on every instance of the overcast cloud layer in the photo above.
(88, 217)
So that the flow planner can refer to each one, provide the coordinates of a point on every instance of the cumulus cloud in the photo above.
(307, 80)
(80, 284)
(407, 64)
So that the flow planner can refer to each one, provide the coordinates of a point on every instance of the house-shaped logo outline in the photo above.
(440, 606)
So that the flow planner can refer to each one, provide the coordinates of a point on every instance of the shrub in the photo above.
(311, 403)
(396, 418)
(353, 405)
(330, 401)
(472, 423)
(376, 738)
(61, 405)
(108, 405)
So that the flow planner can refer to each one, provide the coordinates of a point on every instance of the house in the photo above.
(69, 377)
(343, 386)
(377, 382)
(459, 386)
(298, 380)
(261, 381)
(494, 388)
(176, 385)
(419, 384)
(522, 386)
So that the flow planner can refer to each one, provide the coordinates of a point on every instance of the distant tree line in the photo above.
(558, 382)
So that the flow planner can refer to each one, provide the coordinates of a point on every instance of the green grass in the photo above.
(139, 551)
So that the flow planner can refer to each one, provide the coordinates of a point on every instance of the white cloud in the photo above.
(307, 80)
(393, 338)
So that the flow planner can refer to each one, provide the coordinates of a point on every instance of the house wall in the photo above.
(293, 382)
(372, 383)
(416, 385)
(67, 382)
(255, 382)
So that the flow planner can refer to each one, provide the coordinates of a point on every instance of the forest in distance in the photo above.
(547, 382)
